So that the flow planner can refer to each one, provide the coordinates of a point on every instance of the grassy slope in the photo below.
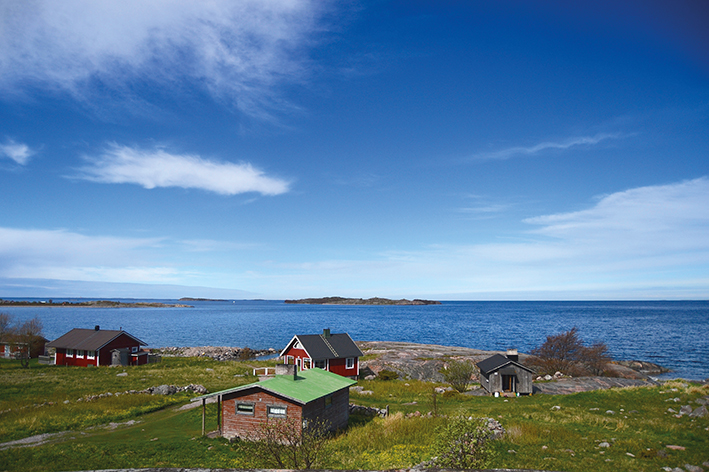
(166, 437)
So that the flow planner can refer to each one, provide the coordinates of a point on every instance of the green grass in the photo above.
(540, 435)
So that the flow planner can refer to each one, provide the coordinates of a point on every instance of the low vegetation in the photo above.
(620, 429)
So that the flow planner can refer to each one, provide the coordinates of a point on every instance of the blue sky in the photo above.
(284, 149)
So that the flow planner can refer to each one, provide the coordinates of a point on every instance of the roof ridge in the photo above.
(332, 349)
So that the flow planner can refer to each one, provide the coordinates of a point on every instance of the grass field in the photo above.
(544, 432)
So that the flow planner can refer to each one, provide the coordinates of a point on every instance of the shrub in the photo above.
(288, 444)
(459, 374)
(463, 443)
(566, 353)
(387, 375)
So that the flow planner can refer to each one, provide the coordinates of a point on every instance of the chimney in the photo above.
(512, 354)
(96, 328)
(287, 369)
(326, 333)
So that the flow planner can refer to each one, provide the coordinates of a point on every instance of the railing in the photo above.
(46, 360)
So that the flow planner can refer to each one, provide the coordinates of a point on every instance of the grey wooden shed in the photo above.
(504, 375)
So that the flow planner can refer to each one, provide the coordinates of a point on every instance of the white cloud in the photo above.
(565, 144)
(238, 51)
(650, 220)
(65, 255)
(18, 152)
(157, 168)
(649, 241)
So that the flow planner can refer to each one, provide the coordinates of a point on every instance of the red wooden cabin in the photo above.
(336, 353)
(95, 347)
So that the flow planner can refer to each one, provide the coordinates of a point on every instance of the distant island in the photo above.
(93, 303)
(361, 301)
(190, 299)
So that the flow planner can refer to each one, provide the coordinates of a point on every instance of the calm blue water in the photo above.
(674, 334)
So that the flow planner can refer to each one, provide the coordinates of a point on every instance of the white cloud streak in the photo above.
(644, 241)
(18, 152)
(237, 51)
(547, 145)
(158, 168)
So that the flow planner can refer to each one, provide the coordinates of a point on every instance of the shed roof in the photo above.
(89, 339)
(326, 346)
(308, 385)
(496, 362)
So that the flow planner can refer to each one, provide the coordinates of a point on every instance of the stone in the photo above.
(685, 410)
(556, 407)
(671, 410)
(630, 454)
(164, 390)
(693, 468)
(610, 412)
(700, 412)
(604, 444)
(675, 447)
(122, 374)
(548, 377)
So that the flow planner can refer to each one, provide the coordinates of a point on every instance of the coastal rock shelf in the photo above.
(94, 304)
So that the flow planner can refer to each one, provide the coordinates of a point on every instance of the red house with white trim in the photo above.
(96, 347)
(336, 353)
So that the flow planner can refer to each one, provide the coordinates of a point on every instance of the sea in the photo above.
(674, 334)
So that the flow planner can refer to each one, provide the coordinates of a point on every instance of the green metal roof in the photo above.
(310, 385)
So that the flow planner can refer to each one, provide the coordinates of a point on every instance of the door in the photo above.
(509, 383)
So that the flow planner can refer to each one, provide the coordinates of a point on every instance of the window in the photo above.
(306, 364)
(91, 354)
(321, 364)
(289, 360)
(350, 362)
(244, 408)
(80, 353)
(328, 401)
(277, 411)
(70, 353)
(134, 349)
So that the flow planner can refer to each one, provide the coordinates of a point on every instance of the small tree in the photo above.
(459, 374)
(463, 443)
(286, 443)
(596, 357)
(566, 353)
(28, 337)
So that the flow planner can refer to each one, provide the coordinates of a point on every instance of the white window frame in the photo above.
(79, 353)
(134, 349)
(245, 412)
(69, 353)
(271, 414)
(290, 359)
(91, 354)
(307, 363)
(322, 362)
(350, 363)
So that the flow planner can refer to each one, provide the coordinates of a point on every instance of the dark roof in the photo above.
(89, 339)
(496, 362)
(320, 346)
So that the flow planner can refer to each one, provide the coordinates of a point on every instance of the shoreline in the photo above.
(91, 304)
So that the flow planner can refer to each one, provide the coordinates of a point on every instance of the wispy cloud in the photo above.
(61, 254)
(648, 240)
(18, 152)
(158, 168)
(239, 52)
(547, 145)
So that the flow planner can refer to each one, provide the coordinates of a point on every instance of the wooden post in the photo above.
(219, 414)
(204, 412)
